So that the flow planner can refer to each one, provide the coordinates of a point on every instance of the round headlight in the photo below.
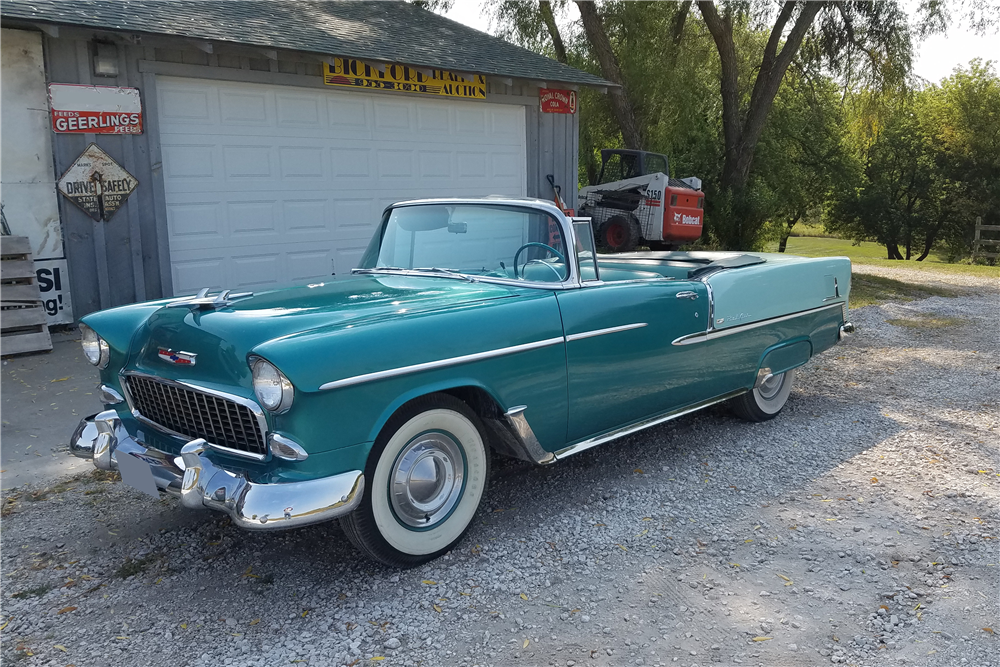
(95, 348)
(273, 389)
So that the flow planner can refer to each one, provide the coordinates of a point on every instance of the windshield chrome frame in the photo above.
(572, 281)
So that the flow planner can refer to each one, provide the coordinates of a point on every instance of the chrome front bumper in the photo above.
(199, 483)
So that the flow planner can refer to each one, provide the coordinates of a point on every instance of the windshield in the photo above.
(475, 240)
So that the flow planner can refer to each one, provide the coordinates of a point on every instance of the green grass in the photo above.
(927, 321)
(803, 229)
(867, 290)
(872, 253)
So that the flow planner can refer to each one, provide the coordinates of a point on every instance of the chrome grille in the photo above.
(197, 414)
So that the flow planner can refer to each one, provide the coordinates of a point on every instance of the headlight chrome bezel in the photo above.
(95, 348)
(258, 367)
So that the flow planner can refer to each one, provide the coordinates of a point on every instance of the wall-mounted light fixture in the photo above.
(105, 60)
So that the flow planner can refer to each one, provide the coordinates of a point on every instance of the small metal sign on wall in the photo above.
(97, 109)
(97, 184)
(359, 74)
(554, 100)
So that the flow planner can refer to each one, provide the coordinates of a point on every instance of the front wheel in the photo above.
(427, 475)
(766, 400)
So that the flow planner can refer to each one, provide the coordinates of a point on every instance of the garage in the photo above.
(267, 185)
(253, 145)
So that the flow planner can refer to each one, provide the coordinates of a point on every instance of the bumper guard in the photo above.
(200, 484)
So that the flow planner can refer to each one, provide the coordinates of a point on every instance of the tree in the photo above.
(846, 32)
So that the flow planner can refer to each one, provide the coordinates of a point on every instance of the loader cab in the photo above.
(621, 165)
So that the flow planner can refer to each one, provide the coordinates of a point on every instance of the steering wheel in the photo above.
(535, 244)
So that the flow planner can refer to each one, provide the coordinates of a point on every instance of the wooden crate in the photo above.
(23, 325)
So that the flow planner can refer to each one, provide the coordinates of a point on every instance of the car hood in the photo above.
(221, 339)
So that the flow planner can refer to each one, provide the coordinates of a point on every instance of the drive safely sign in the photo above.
(96, 109)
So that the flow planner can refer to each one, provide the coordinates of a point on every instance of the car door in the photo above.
(621, 363)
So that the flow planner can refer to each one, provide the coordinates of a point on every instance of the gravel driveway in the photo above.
(859, 527)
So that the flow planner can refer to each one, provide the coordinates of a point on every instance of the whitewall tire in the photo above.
(425, 480)
(766, 400)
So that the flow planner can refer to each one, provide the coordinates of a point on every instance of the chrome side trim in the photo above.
(518, 422)
(646, 423)
(702, 337)
(711, 304)
(601, 332)
(257, 411)
(109, 396)
(441, 363)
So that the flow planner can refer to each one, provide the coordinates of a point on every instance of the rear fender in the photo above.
(785, 356)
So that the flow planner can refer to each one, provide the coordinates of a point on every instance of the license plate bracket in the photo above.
(138, 474)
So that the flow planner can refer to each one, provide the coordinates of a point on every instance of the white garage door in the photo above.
(272, 185)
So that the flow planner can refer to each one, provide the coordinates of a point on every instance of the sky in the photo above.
(936, 57)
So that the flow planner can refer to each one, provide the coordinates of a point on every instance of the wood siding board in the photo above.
(130, 77)
(157, 187)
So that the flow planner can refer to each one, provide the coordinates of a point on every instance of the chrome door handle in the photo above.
(687, 295)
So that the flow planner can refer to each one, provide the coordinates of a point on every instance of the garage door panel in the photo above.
(246, 109)
(188, 161)
(185, 106)
(252, 217)
(392, 116)
(308, 265)
(351, 161)
(394, 163)
(270, 185)
(198, 223)
(301, 162)
(299, 111)
(247, 161)
(305, 216)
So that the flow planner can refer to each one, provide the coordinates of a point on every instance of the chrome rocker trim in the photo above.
(441, 363)
(712, 334)
(200, 484)
(644, 424)
(529, 443)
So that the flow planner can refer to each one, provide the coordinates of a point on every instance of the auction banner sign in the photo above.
(352, 73)
(97, 109)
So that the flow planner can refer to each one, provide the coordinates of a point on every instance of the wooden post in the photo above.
(978, 241)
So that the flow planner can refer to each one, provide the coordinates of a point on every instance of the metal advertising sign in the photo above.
(358, 74)
(97, 184)
(553, 100)
(97, 109)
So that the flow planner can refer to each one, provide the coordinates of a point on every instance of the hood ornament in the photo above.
(202, 299)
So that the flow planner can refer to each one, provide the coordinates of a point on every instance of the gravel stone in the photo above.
(874, 491)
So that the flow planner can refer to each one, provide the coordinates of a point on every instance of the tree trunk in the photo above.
(545, 9)
(892, 249)
(741, 137)
(680, 18)
(621, 105)
(929, 241)
(787, 231)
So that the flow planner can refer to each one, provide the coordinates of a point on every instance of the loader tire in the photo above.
(619, 234)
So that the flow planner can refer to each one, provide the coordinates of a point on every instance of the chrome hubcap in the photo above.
(426, 481)
(770, 387)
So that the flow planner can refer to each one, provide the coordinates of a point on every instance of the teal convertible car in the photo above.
(471, 326)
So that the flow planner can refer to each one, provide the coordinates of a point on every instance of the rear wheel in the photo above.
(619, 234)
(426, 475)
(766, 400)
